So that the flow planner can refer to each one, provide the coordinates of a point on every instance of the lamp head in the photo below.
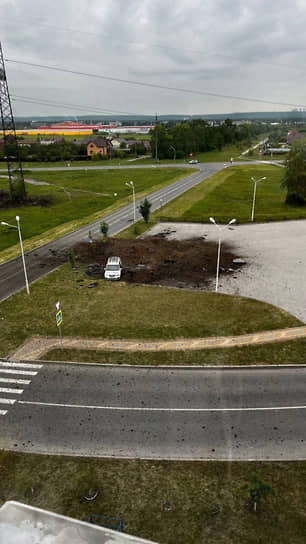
(211, 219)
(232, 221)
(17, 217)
(4, 223)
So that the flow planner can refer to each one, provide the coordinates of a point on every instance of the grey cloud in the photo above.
(216, 45)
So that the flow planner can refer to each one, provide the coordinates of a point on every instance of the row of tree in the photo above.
(198, 136)
(57, 151)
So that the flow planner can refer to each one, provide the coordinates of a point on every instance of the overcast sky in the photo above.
(244, 48)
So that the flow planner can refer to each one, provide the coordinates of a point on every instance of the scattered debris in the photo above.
(239, 261)
(92, 497)
(158, 261)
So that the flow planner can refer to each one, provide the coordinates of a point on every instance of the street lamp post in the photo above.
(21, 247)
(130, 184)
(174, 151)
(211, 219)
(255, 181)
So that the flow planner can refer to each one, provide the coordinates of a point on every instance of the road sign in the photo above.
(59, 318)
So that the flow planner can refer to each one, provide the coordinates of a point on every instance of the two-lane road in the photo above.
(169, 413)
(11, 273)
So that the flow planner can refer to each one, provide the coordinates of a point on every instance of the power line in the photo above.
(154, 85)
(79, 107)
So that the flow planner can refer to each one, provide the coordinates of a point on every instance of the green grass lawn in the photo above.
(229, 193)
(129, 311)
(207, 500)
(74, 207)
(292, 352)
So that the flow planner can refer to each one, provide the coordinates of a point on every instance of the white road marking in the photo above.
(3, 412)
(143, 409)
(9, 390)
(13, 371)
(21, 365)
(7, 401)
(11, 380)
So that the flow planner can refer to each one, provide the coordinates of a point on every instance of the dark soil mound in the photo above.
(38, 200)
(157, 260)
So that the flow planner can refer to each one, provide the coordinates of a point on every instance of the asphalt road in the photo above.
(169, 413)
(38, 261)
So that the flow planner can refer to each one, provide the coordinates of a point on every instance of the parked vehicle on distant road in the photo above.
(194, 161)
(113, 269)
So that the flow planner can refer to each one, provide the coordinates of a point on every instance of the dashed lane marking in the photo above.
(13, 369)
(12, 391)
(23, 372)
(12, 380)
(17, 365)
(7, 401)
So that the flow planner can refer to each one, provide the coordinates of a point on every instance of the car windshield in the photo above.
(113, 267)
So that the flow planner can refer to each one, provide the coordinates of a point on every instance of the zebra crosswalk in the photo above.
(11, 384)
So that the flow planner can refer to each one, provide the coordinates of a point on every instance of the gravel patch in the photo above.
(275, 255)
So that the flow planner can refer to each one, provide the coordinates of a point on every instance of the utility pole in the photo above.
(11, 148)
(156, 138)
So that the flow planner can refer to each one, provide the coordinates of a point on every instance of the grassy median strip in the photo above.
(129, 311)
(229, 193)
(167, 502)
(76, 199)
(292, 352)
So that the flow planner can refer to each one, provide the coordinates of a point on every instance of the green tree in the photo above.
(258, 490)
(294, 179)
(144, 209)
(163, 142)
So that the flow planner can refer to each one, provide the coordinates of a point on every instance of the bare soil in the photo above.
(156, 260)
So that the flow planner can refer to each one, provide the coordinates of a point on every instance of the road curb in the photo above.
(164, 367)
(163, 459)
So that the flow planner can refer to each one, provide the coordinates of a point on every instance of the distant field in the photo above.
(84, 194)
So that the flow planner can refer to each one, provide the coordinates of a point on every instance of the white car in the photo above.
(194, 161)
(113, 268)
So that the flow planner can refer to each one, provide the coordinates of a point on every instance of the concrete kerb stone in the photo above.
(35, 347)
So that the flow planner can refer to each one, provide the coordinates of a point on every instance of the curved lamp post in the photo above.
(130, 184)
(21, 247)
(220, 229)
(255, 181)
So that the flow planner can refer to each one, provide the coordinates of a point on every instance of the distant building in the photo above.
(99, 146)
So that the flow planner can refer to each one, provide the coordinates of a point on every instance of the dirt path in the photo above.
(34, 348)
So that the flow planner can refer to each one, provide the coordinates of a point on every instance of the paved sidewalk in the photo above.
(34, 348)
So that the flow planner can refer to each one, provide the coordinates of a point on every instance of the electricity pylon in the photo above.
(11, 148)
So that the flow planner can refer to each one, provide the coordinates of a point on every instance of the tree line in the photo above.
(197, 136)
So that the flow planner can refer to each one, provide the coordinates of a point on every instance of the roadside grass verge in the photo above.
(74, 207)
(165, 501)
(229, 193)
(175, 210)
(129, 311)
(292, 352)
